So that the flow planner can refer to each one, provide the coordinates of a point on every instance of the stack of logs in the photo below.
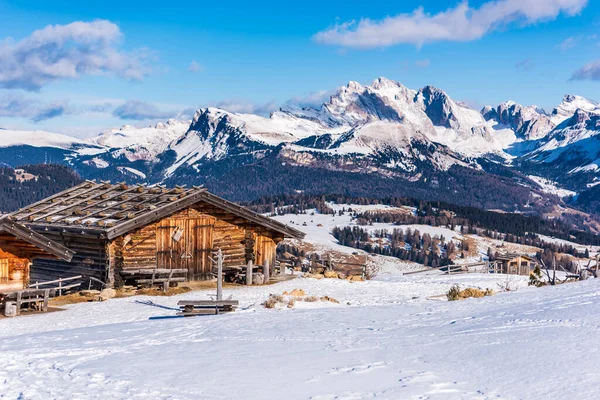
(353, 268)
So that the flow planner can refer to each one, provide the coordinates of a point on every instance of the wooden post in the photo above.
(249, 273)
(219, 275)
(266, 271)
(59, 287)
(19, 294)
(281, 268)
(46, 297)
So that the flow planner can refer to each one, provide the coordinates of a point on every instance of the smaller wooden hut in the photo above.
(514, 264)
(19, 246)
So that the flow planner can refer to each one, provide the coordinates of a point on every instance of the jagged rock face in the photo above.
(356, 104)
(213, 135)
(529, 123)
(438, 107)
(489, 113)
(569, 105)
(383, 128)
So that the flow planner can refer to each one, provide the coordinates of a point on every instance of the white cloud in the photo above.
(573, 41)
(17, 106)
(461, 23)
(195, 67)
(568, 43)
(590, 71)
(247, 107)
(314, 99)
(422, 63)
(141, 110)
(525, 64)
(67, 52)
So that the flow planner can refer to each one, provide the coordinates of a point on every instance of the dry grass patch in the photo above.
(73, 298)
(273, 300)
(456, 294)
(290, 299)
(330, 299)
(295, 293)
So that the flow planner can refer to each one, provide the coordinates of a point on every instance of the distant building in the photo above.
(514, 264)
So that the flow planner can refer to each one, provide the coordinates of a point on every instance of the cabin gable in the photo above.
(188, 240)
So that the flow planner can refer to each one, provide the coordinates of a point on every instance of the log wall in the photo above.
(90, 259)
(151, 245)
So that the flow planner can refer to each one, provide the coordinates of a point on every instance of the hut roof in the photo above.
(512, 256)
(15, 235)
(115, 209)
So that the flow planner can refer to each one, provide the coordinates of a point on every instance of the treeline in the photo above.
(407, 245)
(466, 227)
(50, 179)
(282, 206)
(548, 257)
(437, 213)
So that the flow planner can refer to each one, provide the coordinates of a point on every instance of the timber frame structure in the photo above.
(115, 228)
(514, 264)
(19, 246)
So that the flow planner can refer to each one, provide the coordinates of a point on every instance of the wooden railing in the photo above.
(57, 284)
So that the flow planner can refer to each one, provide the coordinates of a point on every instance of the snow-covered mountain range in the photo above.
(383, 129)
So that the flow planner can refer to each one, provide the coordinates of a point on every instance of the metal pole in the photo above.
(219, 275)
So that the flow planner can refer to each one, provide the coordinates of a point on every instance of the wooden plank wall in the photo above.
(137, 249)
(90, 259)
(265, 249)
(153, 245)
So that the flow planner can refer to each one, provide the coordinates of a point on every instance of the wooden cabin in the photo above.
(19, 246)
(514, 264)
(115, 230)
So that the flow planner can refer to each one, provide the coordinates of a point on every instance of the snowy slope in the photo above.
(10, 138)
(383, 127)
(143, 143)
(385, 340)
(569, 105)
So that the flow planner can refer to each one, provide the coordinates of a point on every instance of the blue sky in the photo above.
(109, 63)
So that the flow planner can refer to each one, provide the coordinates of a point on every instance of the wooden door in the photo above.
(185, 243)
(4, 277)
(203, 247)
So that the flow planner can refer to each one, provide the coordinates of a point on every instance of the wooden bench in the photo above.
(36, 297)
(155, 276)
(191, 308)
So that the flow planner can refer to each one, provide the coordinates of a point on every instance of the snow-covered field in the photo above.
(394, 337)
(385, 340)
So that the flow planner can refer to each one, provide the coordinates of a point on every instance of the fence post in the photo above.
(19, 294)
(249, 273)
(266, 271)
(46, 296)
(59, 287)
(220, 275)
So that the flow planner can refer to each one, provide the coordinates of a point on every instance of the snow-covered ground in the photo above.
(551, 187)
(386, 339)
(393, 337)
(319, 238)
